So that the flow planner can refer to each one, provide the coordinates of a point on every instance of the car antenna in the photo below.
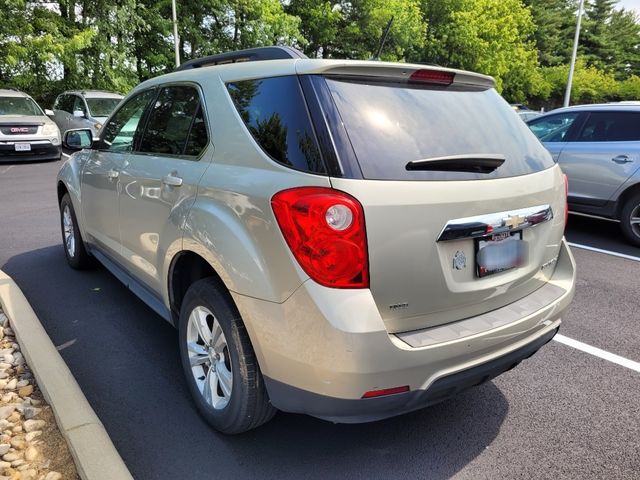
(385, 34)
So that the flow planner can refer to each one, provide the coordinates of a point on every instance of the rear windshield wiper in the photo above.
(474, 163)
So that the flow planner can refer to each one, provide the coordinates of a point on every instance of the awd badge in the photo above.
(459, 260)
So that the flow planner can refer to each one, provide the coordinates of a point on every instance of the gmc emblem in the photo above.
(19, 130)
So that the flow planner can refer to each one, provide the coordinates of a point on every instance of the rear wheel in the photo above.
(630, 220)
(74, 249)
(219, 362)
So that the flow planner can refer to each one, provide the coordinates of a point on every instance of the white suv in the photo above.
(26, 132)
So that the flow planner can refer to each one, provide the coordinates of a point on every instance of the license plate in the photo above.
(23, 147)
(499, 253)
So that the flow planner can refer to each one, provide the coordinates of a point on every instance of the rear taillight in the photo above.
(325, 231)
(566, 199)
(432, 76)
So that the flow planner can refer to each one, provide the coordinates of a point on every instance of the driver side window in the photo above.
(120, 132)
(553, 128)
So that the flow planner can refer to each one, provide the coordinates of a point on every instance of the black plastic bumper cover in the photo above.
(294, 400)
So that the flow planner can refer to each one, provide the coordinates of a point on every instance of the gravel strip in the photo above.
(31, 446)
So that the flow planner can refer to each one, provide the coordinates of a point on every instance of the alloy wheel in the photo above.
(69, 234)
(209, 357)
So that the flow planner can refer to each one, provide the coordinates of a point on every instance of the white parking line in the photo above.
(600, 250)
(65, 155)
(6, 169)
(625, 362)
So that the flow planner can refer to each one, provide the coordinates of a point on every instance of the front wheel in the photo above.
(74, 249)
(220, 365)
(630, 220)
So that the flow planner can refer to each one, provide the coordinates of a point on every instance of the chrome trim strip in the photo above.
(492, 223)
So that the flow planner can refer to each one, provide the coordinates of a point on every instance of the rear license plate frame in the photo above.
(510, 243)
(22, 147)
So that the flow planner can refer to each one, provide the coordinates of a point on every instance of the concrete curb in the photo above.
(95, 456)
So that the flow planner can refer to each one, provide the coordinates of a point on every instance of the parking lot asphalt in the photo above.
(561, 414)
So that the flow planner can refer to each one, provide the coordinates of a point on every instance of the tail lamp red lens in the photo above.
(325, 231)
(385, 391)
(432, 76)
(566, 199)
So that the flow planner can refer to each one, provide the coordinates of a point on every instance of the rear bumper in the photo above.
(322, 349)
(39, 151)
(340, 410)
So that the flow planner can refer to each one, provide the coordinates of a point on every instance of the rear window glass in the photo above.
(390, 125)
(275, 113)
(611, 127)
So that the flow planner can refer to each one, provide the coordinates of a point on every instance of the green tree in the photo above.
(555, 23)
(488, 36)
(353, 29)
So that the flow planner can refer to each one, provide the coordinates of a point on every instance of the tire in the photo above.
(236, 400)
(631, 214)
(74, 249)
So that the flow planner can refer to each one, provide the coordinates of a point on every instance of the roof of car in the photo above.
(9, 92)
(93, 93)
(634, 106)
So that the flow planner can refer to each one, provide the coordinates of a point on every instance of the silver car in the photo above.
(598, 148)
(352, 240)
(26, 132)
(84, 109)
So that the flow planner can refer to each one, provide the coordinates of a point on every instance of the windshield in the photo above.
(102, 107)
(19, 106)
(390, 125)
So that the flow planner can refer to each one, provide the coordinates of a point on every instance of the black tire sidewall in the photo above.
(203, 294)
(625, 220)
(76, 260)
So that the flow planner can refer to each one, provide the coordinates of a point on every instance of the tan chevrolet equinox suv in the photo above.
(351, 240)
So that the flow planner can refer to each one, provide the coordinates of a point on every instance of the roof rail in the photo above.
(248, 55)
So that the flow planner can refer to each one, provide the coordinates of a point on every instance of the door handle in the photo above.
(621, 159)
(113, 174)
(172, 180)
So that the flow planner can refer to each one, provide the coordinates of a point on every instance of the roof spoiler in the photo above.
(248, 55)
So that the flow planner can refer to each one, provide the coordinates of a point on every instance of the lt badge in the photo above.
(459, 260)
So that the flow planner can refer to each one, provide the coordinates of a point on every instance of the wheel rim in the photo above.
(634, 220)
(209, 357)
(67, 228)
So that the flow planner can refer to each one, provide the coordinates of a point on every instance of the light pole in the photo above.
(176, 40)
(572, 66)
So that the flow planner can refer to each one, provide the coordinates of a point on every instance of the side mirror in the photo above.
(49, 113)
(77, 139)
(78, 113)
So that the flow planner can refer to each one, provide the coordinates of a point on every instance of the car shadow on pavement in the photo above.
(126, 360)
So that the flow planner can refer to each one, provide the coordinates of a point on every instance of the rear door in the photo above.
(602, 156)
(160, 180)
(462, 205)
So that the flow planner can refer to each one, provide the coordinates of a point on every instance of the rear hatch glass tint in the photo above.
(390, 125)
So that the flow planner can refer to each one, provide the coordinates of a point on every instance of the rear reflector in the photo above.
(432, 76)
(385, 391)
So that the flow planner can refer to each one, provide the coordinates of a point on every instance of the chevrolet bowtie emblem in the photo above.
(514, 221)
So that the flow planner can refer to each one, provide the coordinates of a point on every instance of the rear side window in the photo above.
(611, 127)
(275, 113)
(390, 125)
(169, 129)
